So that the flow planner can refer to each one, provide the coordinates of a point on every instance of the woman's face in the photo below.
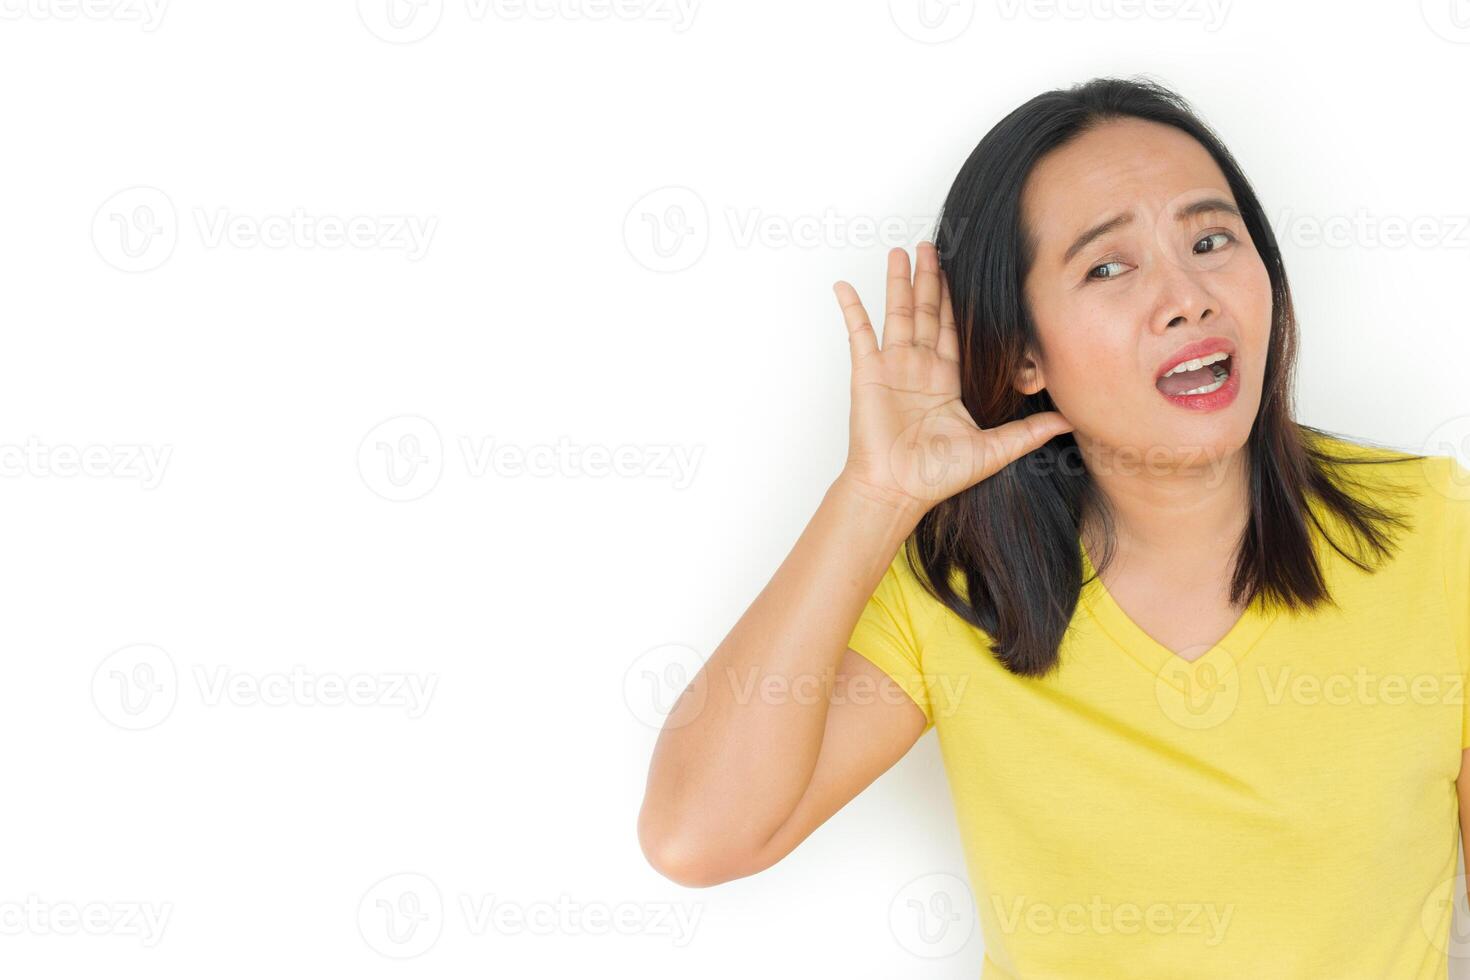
(1114, 305)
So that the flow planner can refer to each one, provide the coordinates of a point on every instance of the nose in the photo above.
(1183, 299)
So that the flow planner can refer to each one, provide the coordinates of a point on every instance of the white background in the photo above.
(147, 151)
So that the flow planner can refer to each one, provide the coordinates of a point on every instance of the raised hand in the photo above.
(911, 441)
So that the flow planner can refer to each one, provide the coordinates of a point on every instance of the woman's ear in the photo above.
(1029, 378)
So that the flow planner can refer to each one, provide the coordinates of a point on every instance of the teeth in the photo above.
(1197, 363)
(1221, 376)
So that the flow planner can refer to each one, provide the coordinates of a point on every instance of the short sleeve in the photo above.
(1452, 481)
(885, 633)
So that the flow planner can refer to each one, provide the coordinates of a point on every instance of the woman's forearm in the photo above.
(739, 747)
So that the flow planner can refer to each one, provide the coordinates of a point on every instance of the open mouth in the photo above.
(1197, 377)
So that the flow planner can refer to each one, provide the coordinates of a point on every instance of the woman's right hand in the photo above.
(911, 441)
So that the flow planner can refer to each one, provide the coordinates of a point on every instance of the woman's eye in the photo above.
(1217, 234)
(1103, 266)
(1228, 239)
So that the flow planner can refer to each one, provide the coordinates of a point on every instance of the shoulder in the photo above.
(907, 583)
(905, 577)
(1419, 485)
(1431, 492)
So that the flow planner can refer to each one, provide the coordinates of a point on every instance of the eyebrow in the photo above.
(1208, 205)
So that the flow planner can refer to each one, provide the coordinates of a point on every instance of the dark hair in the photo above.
(1015, 535)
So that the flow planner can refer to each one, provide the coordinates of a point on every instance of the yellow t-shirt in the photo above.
(1282, 807)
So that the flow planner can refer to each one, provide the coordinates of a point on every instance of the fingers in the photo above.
(949, 335)
(898, 316)
(926, 296)
(860, 337)
(1015, 439)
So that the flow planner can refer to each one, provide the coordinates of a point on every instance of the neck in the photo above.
(1180, 513)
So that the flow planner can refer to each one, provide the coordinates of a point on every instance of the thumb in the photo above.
(1014, 439)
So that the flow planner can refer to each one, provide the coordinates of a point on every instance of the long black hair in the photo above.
(1015, 535)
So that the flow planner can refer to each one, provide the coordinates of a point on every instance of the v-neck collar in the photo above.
(1222, 658)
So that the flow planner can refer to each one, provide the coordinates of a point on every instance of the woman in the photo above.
(1228, 747)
